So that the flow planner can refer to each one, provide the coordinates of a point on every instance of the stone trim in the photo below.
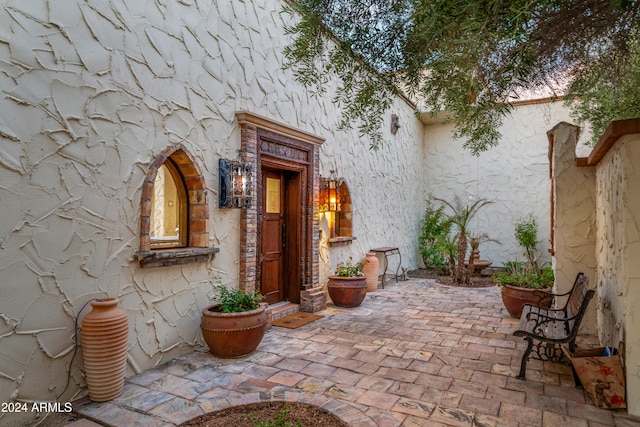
(197, 213)
(163, 257)
(340, 240)
(260, 122)
(263, 140)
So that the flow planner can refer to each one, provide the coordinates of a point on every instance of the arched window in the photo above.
(335, 203)
(174, 212)
(169, 205)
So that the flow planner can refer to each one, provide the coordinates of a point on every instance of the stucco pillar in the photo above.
(573, 216)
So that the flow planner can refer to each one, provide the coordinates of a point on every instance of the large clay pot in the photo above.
(231, 335)
(347, 291)
(104, 334)
(371, 270)
(514, 298)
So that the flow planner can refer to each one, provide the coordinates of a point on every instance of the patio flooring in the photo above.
(414, 354)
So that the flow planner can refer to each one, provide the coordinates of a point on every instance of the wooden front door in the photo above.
(273, 231)
(279, 245)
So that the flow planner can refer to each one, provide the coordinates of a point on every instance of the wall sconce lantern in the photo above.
(331, 193)
(395, 123)
(236, 183)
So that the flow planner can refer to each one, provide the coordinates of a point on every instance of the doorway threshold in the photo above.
(281, 309)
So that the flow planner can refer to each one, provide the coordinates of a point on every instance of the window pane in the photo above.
(273, 195)
(165, 210)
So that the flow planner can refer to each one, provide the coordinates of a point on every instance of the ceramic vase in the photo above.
(370, 270)
(104, 334)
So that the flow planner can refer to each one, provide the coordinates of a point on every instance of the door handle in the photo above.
(284, 235)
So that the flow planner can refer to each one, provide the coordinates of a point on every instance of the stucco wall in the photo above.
(514, 176)
(597, 223)
(618, 243)
(92, 92)
(574, 218)
(386, 189)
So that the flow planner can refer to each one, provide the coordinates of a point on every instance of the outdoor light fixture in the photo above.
(395, 123)
(236, 183)
(331, 193)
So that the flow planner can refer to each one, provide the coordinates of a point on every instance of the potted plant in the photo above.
(525, 282)
(235, 325)
(348, 287)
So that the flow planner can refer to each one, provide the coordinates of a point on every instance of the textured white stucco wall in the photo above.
(514, 176)
(597, 232)
(575, 218)
(386, 189)
(617, 248)
(92, 92)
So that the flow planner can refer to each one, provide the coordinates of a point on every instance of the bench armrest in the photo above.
(544, 296)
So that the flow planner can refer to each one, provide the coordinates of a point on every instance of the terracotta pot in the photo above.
(104, 349)
(371, 270)
(233, 334)
(514, 298)
(347, 291)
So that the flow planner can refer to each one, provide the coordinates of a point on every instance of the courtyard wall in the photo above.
(92, 93)
(617, 246)
(597, 219)
(514, 176)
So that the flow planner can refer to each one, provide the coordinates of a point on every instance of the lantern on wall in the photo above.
(331, 193)
(236, 183)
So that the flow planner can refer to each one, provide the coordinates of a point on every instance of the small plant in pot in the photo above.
(235, 324)
(348, 287)
(525, 282)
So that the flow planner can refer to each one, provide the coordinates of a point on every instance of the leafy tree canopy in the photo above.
(468, 57)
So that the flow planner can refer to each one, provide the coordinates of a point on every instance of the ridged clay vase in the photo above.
(370, 270)
(104, 349)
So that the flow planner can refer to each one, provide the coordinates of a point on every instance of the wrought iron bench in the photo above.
(546, 329)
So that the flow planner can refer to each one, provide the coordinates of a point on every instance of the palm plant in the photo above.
(435, 237)
(461, 216)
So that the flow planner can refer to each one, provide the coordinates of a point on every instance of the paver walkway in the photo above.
(414, 354)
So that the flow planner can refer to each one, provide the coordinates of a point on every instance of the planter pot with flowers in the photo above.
(523, 283)
(349, 285)
(526, 282)
(234, 327)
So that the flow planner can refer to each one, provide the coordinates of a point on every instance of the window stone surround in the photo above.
(197, 212)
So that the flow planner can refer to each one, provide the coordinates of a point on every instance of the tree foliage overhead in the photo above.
(468, 57)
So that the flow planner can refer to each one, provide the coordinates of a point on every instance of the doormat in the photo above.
(296, 320)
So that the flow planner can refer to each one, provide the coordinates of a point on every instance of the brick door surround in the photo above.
(269, 142)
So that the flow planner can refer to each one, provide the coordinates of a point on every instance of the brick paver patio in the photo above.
(414, 354)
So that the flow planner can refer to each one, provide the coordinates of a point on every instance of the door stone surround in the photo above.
(265, 141)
